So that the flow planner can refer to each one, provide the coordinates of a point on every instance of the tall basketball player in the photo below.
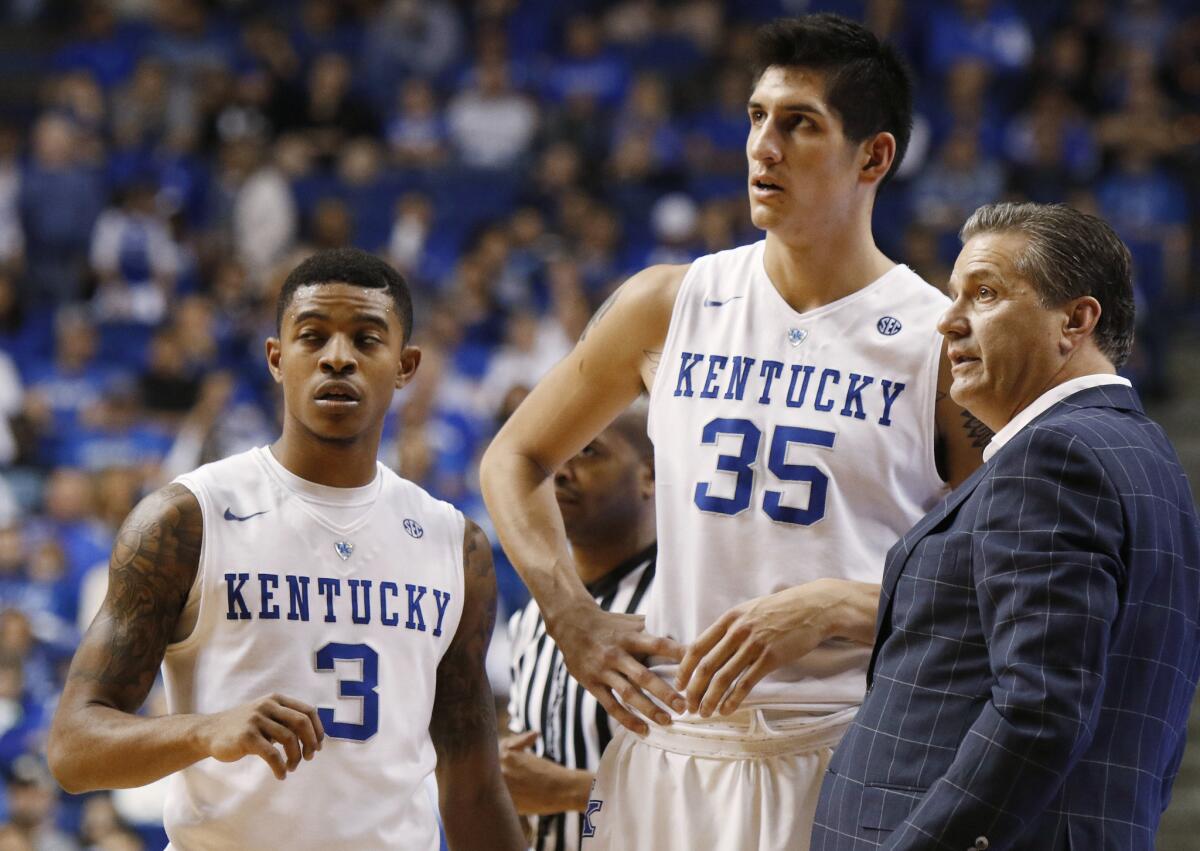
(305, 604)
(799, 429)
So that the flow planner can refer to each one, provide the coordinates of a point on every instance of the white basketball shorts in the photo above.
(749, 782)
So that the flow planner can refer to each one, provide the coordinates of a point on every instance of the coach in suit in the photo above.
(1036, 646)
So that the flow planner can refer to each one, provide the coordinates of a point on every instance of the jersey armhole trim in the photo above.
(199, 582)
(673, 331)
(459, 523)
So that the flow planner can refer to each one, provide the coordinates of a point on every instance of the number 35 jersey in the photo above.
(788, 447)
(345, 599)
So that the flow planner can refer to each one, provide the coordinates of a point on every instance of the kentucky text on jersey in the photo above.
(359, 601)
(826, 389)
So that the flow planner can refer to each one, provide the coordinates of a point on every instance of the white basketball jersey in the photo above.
(344, 598)
(788, 447)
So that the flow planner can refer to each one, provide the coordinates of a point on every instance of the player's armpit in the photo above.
(960, 437)
(476, 809)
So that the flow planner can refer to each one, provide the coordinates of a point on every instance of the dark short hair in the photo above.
(348, 266)
(1069, 254)
(868, 84)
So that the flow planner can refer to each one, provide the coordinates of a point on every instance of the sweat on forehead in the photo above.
(350, 267)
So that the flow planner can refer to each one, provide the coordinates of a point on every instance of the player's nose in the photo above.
(763, 144)
(338, 355)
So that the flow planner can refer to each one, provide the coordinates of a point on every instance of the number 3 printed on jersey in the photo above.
(742, 466)
(362, 689)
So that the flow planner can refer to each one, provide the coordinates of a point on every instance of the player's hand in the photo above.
(750, 641)
(539, 786)
(605, 651)
(256, 728)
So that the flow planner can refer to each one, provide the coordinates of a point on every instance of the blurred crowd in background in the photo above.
(165, 163)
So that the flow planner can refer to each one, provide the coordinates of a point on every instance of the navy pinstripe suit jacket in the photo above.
(1036, 653)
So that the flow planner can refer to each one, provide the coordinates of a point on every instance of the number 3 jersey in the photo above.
(788, 447)
(345, 599)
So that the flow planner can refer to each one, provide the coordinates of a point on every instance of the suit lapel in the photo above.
(898, 555)
(1105, 396)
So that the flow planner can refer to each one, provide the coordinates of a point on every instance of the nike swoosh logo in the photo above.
(709, 302)
(229, 515)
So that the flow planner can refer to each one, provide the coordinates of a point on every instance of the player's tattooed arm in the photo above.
(153, 565)
(476, 808)
(979, 434)
(604, 308)
(96, 740)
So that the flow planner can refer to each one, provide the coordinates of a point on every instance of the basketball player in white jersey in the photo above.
(306, 604)
(800, 422)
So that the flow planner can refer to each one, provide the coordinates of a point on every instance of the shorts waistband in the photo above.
(752, 732)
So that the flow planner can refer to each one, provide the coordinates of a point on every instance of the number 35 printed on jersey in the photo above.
(742, 466)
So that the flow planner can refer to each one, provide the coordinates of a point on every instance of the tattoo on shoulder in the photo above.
(463, 714)
(600, 311)
(151, 571)
(979, 434)
(477, 552)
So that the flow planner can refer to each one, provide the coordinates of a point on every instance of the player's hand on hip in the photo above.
(605, 652)
(258, 727)
(748, 642)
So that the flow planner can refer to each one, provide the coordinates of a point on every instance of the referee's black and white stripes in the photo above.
(574, 728)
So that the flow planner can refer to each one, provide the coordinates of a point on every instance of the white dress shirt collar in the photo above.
(1044, 402)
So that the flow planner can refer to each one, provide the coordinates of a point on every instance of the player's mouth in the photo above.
(337, 395)
(760, 187)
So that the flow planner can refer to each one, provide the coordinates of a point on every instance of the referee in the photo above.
(606, 494)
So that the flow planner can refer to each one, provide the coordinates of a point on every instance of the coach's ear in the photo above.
(1080, 318)
(410, 359)
(274, 350)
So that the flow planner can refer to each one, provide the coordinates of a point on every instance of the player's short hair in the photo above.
(868, 84)
(1069, 254)
(348, 266)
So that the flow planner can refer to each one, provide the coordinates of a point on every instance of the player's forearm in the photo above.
(520, 499)
(478, 815)
(98, 747)
(853, 609)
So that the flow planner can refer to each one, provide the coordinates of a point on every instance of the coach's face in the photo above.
(340, 355)
(1005, 347)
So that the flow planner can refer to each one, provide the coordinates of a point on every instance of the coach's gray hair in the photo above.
(1069, 254)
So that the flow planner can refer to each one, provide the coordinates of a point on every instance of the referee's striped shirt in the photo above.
(574, 727)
